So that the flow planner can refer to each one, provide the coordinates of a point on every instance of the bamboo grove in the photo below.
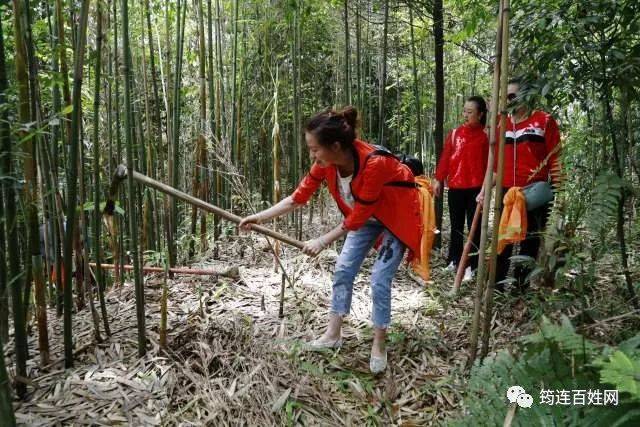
(196, 92)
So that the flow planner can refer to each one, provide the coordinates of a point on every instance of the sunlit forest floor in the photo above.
(232, 360)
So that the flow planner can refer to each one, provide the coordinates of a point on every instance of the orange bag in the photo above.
(420, 262)
(513, 221)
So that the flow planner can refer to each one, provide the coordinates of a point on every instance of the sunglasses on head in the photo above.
(511, 96)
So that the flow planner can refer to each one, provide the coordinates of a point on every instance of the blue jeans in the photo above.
(355, 249)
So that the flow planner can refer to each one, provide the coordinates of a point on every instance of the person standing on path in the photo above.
(462, 166)
(531, 155)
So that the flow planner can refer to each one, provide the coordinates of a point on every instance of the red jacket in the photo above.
(374, 192)
(463, 162)
(528, 144)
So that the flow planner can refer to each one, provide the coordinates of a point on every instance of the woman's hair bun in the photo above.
(350, 115)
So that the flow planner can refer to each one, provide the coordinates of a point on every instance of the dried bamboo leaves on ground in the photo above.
(232, 360)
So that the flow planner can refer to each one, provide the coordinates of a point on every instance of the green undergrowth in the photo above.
(556, 358)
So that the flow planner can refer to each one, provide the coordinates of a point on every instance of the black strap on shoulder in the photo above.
(405, 184)
(380, 151)
(383, 151)
(363, 202)
(313, 177)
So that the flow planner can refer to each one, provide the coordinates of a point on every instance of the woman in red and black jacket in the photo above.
(378, 198)
(462, 165)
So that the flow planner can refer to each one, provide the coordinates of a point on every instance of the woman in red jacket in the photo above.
(462, 164)
(378, 198)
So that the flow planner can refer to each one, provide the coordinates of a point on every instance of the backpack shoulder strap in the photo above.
(384, 151)
(379, 151)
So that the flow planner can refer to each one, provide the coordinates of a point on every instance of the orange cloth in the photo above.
(513, 222)
(53, 277)
(420, 262)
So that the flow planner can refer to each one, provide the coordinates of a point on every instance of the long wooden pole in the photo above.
(462, 265)
(230, 272)
(504, 67)
(488, 189)
(121, 174)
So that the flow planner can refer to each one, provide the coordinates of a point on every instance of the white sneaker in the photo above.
(468, 275)
(320, 344)
(450, 268)
(378, 364)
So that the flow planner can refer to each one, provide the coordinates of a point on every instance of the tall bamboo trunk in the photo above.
(5, 145)
(49, 163)
(220, 111)
(417, 142)
(347, 54)
(504, 78)
(438, 38)
(97, 226)
(85, 246)
(30, 199)
(383, 77)
(117, 225)
(175, 124)
(64, 69)
(9, 225)
(7, 418)
(488, 189)
(275, 135)
(234, 106)
(128, 118)
(200, 184)
(359, 101)
(4, 296)
(213, 124)
(72, 189)
(156, 113)
(297, 121)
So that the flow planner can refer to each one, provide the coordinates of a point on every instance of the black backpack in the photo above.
(416, 166)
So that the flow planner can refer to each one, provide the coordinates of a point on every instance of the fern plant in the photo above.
(605, 197)
(556, 358)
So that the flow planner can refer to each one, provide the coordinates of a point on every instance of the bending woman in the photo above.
(462, 165)
(378, 198)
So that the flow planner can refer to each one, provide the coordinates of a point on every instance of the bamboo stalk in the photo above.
(281, 309)
(18, 287)
(163, 306)
(7, 418)
(504, 77)
(84, 250)
(234, 89)
(383, 78)
(73, 182)
(34, 259)
(416, 92)
(13, 254)
(96, 172)
(121, 173)
(488, 188)
(139, 290)
(347, 54)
